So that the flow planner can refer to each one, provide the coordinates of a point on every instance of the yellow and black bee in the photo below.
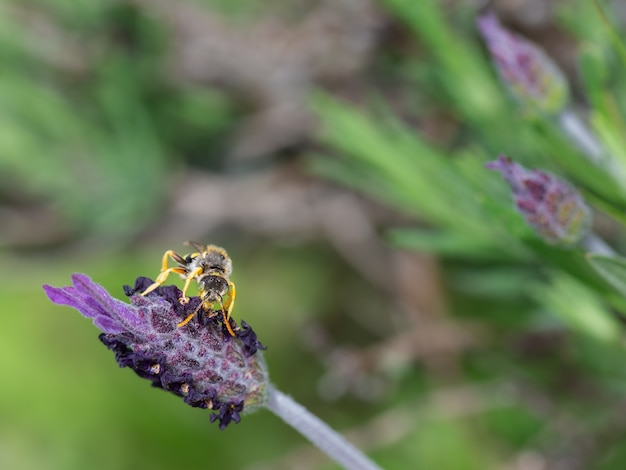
(211, 266)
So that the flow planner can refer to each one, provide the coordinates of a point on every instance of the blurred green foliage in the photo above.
(98, 138)
(468, 214)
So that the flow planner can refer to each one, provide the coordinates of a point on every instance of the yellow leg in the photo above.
(168, 254)
(227, 319)
(227, 309)
(195, 273)
(166, 270)
(162, 278)
(230, 303)
(190, 277)
(189, 317)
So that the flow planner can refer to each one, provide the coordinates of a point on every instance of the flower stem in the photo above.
(594, 244)
(318, 432)
(581, 136)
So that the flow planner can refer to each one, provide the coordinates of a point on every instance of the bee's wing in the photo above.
(198, 246)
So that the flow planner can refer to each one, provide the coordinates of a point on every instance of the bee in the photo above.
(211, 267)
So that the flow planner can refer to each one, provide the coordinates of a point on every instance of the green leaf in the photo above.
(578, 307)
(595, 73)
(611, 268)
(400, 167)
(446, 243)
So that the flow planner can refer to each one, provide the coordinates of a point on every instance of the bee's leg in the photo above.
(162, 278)
(190, 277)
(165, 270)
(230, 303)
(189, 317)
(227, 310)
(226, 319)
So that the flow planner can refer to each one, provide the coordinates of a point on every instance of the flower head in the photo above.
(529, 74)
(555, 209)
(200, 361)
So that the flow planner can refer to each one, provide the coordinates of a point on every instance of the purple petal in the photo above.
(500, 164)
(86, 286)
(93, 301)
(509, 170)
(73, 298)
(62, 295)
(108, 325)
(488, 25)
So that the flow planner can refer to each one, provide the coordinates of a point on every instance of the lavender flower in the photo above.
(551, 206)
(528, 73)
(200, 362)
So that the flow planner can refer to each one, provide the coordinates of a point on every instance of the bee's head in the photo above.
(212, 288)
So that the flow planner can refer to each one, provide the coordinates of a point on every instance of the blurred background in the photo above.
(130, 126)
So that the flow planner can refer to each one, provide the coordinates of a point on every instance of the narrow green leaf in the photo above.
(578, 307)
(446, 243)
(611, 268)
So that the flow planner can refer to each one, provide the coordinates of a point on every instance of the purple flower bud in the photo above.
(528, 73)
(552, 207)
(200, 361)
